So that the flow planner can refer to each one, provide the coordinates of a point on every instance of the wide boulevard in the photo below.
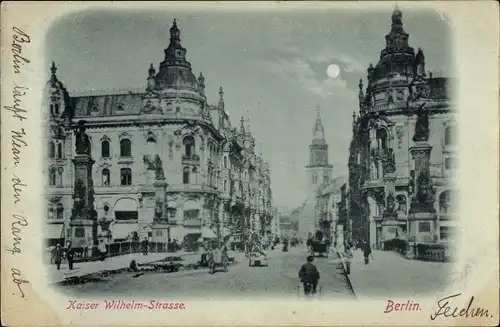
(278, 279)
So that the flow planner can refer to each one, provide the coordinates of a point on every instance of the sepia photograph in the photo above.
(236, 155)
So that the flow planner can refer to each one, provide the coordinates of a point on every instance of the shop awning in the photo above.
(54, 231)
(207, 233)
(122, 231)
(192, 237)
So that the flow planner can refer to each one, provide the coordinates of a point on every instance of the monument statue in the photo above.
(424, 197)
(421, 126)
(158, 209)
(79, 198)
(159, 174)
(82, 141)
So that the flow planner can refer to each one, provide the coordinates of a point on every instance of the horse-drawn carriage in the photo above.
(319, 245)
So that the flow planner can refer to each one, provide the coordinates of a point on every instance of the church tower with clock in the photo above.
(319, 171)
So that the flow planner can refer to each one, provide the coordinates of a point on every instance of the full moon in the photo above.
(333, 71)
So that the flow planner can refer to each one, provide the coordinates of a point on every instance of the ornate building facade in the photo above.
(328, 209)
(168, 165)
(402, 153)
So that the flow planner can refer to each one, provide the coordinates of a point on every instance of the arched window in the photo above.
(445, 202)
(225, 186)
(126, 176)
(188, 146)
(52, 150)
(52, 176)
(105, 177)
(105, 149)
(185, 175)
(51, 109)
(125, 148)
(382, 138)
(60, 171)
(401, 204)
(51, 211)
(449, 134)
(56, 106)
(59, 211)
(314, 178)
(225, 162)
(59, 151)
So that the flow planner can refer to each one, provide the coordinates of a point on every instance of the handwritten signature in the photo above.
(446, 310)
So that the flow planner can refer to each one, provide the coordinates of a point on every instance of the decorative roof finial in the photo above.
(53, 69)
(354, 115)
(221, 100)
(174, 31)
(360, 85)
(247, 128)
(242, 125)
(397, 16)
(151, 70)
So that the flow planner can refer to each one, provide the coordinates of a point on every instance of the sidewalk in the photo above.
(114, 263)
(388, 273)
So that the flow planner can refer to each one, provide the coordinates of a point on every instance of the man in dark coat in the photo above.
(309, 276)
(367, 250)
(57, 255)
(70, 255)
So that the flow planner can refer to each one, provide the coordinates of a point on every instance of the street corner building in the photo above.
(160, 163)
(402, 152)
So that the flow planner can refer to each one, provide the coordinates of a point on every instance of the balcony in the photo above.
(192, 222)
(190, 159)
(164, 221)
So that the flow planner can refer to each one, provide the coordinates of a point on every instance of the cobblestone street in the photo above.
(277, 280)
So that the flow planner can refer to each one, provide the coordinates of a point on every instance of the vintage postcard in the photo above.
(250, 163)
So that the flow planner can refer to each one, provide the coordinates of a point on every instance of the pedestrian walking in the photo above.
(57, 255)
(70, 255)
(367, 250)
(145, 245)
(102, 250)
(309, 276)
(348, 257)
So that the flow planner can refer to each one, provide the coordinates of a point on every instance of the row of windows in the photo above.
(125, 148)
(54, 109)
(449, 137)
(55, 150)
(56, 176)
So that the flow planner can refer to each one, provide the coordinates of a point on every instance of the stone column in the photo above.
(422, 201)
(83, 222)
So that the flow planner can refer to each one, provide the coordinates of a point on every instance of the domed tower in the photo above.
(388, 81)
(175, 71)
(319, 171)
